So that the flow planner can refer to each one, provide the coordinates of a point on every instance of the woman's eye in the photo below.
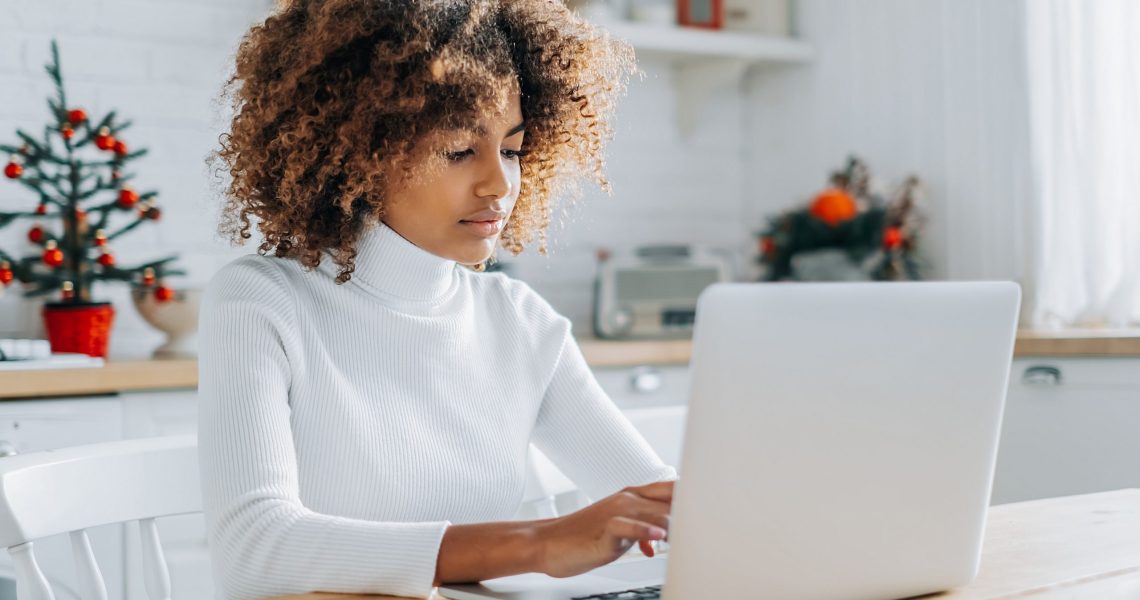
(515, 153)
(460, 155)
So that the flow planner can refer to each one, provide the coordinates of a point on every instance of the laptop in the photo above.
(840, 444)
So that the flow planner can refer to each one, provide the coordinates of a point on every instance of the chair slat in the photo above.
(30, 581)
(155, 574)
(91, 585)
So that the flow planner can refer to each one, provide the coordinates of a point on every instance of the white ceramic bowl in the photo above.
(177, 318)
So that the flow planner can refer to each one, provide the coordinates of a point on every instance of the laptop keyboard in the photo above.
(652, 592)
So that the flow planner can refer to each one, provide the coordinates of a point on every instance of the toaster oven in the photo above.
(651, 292)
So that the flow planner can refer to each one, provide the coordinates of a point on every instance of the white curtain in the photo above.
(1084, 98)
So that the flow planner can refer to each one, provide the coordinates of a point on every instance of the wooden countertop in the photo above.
(142, 374)
(1067, 344)
(114, 376)
(1073, 547)
(1078, 342)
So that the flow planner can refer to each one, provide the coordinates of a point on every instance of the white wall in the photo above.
(933, 87)
(161, 63)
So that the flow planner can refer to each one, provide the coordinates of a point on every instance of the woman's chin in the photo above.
(479, 254)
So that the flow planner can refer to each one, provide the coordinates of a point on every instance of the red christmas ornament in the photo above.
(76, 116)
(6, 274)
(67, 132)
(128, 197)
(53, 256)
(892, 238)
(36, 234)
(67, 290)
(106, 259)
(100, 238)
(13, 170)
(767, 246)
(41, 209)
(120, 148)
(104, 140)
(80, 214)
(163, 293)
(149, 212)
(148, 276)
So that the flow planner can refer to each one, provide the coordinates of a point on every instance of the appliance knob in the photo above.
(621, 320)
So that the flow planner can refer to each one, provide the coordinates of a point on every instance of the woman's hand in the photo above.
(602, 532)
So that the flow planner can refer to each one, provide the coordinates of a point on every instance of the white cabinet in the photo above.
(35, 425)
(1071, 427)
(149, 414)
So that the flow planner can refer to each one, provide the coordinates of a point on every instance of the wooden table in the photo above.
(1073, 548)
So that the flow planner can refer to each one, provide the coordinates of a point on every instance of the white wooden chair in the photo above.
(545, 484)
(70, 490)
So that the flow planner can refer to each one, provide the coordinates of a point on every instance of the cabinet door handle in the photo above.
(7, 449)
(1041, 375)
(645, 380)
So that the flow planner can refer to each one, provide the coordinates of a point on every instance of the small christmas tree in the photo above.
(80, 194)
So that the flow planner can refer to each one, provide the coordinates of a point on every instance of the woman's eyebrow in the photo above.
(482, 131)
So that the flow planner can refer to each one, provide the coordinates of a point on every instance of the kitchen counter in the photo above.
(1068, 343)
(113, 377)
(142, 374)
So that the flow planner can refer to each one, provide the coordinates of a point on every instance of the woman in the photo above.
(367, 400)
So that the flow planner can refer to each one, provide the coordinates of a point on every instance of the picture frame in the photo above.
(705, 14)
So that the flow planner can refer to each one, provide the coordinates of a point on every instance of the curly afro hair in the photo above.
(333, 101)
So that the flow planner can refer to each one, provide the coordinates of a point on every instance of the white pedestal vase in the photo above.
(177, 318)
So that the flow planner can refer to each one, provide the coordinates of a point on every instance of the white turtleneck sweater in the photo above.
(343, 428)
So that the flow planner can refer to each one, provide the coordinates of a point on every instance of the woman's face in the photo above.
(459, 212)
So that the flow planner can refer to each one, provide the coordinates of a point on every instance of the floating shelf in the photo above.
(686, 42)
(704, 60)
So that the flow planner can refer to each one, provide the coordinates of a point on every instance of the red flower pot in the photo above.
(84, 327)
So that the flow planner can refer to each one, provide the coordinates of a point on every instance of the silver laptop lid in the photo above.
(841, 438)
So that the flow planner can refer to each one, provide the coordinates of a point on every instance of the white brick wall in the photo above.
(160, 63)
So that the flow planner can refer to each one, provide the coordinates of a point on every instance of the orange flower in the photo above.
(833, 206)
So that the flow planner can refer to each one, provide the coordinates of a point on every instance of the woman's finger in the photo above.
(625, 527)
(657, 519)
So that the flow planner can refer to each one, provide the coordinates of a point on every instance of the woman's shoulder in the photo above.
(518, 297)
(252, 277)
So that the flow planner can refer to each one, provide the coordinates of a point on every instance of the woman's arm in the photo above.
(561, 547)
(586, 435)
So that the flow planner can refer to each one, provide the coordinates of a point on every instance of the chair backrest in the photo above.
(545, 482)
(70, 490)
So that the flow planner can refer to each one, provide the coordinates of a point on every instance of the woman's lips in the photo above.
(484, 228)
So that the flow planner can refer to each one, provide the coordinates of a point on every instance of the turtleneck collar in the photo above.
(390, 265)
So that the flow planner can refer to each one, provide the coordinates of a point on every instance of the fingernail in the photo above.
(657, 533)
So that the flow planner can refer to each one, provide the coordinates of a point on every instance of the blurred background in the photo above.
(1014, 117)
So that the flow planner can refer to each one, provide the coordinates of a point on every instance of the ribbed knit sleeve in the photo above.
(264, 541)
(578, 425)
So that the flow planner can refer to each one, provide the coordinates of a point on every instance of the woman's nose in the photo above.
(495, 178)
